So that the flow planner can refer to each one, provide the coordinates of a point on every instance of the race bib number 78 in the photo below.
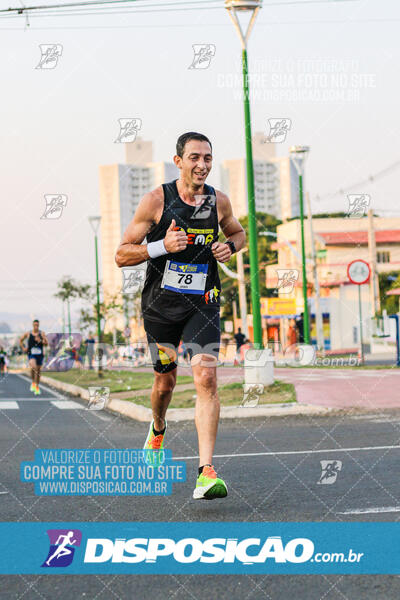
(184, 278)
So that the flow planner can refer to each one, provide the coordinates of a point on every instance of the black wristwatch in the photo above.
(231, 246)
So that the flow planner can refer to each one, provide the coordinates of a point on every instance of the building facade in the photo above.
(275, 181)
(121, 188)
(338, 241)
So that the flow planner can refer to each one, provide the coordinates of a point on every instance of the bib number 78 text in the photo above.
(187, 279)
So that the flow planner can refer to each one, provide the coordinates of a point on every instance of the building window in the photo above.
(383, 257)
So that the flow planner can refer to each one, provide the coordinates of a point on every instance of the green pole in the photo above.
(361, 331)
(253, 251)
(303, 261)
(63, 318)
(100, 370)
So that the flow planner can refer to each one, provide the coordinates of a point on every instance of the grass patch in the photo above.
(117, 381)
(231, 395)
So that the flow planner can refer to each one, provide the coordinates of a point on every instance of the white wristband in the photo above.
(156, 249)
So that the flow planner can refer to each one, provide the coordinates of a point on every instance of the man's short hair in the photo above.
(186, 137)
(35, 321)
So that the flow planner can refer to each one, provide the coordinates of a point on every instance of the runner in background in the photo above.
(36, 341)
(3, 362)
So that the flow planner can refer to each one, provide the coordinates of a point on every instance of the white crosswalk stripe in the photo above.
(19, 403)
(9, 405)
(66, 404)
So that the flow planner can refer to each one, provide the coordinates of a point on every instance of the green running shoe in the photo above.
(209, 486)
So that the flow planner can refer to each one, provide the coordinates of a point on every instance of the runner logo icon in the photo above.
(62, 547)
(330, 470)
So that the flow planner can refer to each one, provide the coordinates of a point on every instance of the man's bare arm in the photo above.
(131, 251)
(231, 228)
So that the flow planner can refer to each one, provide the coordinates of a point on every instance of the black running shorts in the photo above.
(200, 333)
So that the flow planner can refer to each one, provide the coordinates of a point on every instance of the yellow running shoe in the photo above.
(32, 387)
(155, 444)
(209, 486)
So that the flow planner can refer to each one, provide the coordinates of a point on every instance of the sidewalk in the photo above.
(334, 387)
(119, 404)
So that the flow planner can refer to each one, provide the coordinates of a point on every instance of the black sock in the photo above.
(158, 432)
(201, 468)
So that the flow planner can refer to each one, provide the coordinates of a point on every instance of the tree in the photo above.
(388, 281)
(108, 307)
(229, 286)
(68, 290)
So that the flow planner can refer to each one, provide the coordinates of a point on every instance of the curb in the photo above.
(141, 413)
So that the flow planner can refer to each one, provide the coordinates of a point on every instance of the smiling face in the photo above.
(196, 162)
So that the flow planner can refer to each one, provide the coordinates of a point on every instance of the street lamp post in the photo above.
(298, 155)
(95, 222)
(233, 7)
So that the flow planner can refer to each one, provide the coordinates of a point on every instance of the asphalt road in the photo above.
(273, 478)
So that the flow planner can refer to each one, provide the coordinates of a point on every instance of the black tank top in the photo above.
(32, 343)
(161, 300)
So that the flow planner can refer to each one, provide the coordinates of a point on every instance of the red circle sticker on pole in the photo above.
(358, 271)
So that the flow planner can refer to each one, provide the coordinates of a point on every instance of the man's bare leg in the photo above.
(161, 395)
(32, 364)
(204, 369)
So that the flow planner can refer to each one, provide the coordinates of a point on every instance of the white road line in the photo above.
(11, 405)
(294, 452)
(66, 404)
(365, 511)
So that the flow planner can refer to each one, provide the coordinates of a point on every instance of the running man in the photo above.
(181, 294)
(36, 341)
(3, 363)
(62, 546)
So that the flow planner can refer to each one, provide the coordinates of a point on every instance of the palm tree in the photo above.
(68, 289)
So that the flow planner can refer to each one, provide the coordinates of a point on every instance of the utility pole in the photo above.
(298, 155)
(234, 314)
(63, 318)
(242, 288)
(318, 312)
(374, 281)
